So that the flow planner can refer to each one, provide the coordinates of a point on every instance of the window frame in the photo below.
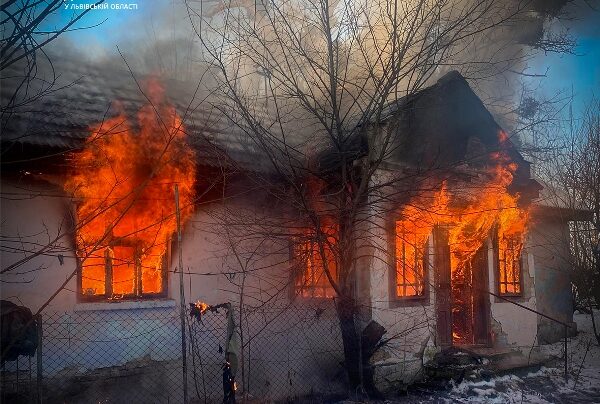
(497, 273)
(403, 301)
(138, 294)
(299, 270)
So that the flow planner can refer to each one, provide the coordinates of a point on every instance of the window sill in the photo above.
(397, 302)
(511, 298)
(125, 305)
(312, 299)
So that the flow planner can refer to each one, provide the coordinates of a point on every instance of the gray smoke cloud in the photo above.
(161, 40)
(156, 39)
(546, 27)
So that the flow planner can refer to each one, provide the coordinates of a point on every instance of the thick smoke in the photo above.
(161, 40)
(157, 39)
(496, 63)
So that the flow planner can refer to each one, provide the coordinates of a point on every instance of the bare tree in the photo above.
(576, 171)
(24, 35)
(301, 77)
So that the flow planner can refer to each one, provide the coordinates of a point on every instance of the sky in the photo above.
(578, 72)
(161, 19)
(107, 28)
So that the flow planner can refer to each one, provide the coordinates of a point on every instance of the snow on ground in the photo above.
(544, 386)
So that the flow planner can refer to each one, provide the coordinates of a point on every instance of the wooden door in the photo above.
(481, 298)
(443, 291)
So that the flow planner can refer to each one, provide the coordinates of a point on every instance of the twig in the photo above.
(581, 366)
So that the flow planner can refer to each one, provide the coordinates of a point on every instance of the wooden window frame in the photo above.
(498, 273)
(404, 301)
(108, 296)
(298, 273)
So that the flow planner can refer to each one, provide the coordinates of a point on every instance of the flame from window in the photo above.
(123, 184)
(312, 280)
(412, 232)
(470, 221)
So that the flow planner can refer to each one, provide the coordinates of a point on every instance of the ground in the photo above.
(545, 385)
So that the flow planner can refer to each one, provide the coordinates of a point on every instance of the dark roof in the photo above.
(441, 125)
(85, 94)
(444, 124)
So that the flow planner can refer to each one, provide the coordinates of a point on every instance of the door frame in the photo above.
(443, 292)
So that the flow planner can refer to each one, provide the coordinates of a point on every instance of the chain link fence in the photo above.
(107, 356)
(135, 356)
(288, 353)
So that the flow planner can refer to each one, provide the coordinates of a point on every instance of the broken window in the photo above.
(509, 265)
(122, 272)
(312, 280)
(410, 261)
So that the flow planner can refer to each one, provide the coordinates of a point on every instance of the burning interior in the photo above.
(312, 280)
(443, 231)
(123, 183)
(462, 218)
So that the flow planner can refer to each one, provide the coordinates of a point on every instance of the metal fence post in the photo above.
(181, 298)
(566, 363)
(39, 358)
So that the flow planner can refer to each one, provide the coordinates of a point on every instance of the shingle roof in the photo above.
(85, 94)
(443, 122)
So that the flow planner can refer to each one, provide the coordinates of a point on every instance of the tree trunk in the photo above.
(357, 350)
(596, 334)
(346, 315)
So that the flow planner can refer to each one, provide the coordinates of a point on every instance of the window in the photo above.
(312, 280)
(123, 271)
(410, 261)
(264, 84)
(509, 265)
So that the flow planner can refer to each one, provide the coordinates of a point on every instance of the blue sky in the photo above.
(115, 26)
(580, 71)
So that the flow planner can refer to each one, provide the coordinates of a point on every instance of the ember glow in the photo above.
(418, 219)
(313, 281)
(470, 217)
(123, 183)
(201, 306)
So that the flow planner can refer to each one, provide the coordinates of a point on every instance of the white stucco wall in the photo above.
(412, 324)
(411, 327)
(547, 288)
(517, 326)
(33, 216)
(296, 346)
(550, 246)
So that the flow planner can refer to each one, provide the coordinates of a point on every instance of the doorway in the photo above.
(462, 299)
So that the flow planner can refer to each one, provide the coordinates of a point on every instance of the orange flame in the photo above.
(123, 180)
(470, 221)
(201, 306)
(418, 219)
(313, 281)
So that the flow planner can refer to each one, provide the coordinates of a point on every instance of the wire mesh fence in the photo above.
(287, 353)
(102, 356)
(135, 356)
(18, 381)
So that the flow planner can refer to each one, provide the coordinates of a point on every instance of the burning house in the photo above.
(89, 193)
